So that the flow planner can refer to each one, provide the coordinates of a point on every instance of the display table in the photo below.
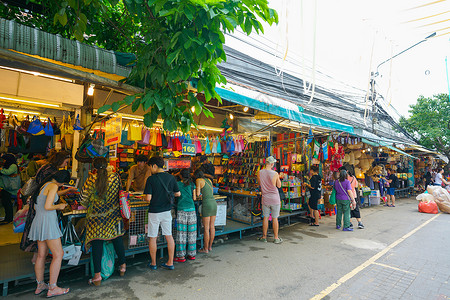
(244, 203)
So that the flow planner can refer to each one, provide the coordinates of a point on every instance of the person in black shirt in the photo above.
(315, 188)
(428, 180)
(393, 184)
(160, 190)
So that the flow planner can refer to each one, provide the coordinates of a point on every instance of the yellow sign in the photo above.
(113, 133)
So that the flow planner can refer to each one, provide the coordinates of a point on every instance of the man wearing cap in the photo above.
(269, 180)
(138, 174)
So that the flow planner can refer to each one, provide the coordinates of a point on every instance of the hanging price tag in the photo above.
(188, 149)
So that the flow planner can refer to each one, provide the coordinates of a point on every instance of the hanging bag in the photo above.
(145, 134)
(77, 124)
(108, 259)
(159, 142)
(169, 142)
(153, 138)
(214, 145)
(176, 144)
(48, 130)
(134, 131)
(124, 140)
(125, 209)
(207, 147)
(198, 145)
(164, 142)
(35, 126)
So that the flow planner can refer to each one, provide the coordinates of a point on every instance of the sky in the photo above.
(347, 39)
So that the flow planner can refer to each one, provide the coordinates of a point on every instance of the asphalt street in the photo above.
(401, 254)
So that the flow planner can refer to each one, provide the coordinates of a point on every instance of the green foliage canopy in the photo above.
(175, 41)
(429, 122)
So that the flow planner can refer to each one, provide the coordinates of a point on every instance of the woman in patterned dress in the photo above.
(103, 220)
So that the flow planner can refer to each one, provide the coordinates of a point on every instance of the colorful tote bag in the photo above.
(124, 141)
(145, 133)
(207, 146)
(134, 131)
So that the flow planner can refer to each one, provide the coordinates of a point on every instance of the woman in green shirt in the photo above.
(186, 219)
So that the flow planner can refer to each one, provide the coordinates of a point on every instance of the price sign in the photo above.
(188, 149)
(179, 163)
(113, 133)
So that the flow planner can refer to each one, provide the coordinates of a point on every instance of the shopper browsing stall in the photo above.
(103, 220)
(209, 209)
(315, 188)
(186, 219)
(355, 212)
(9, 185)
(344, 201)
(138, 174)
(45, 231)
(55, 162)
(270, 182)
(393, 184)
(159, 190)
(439, 180)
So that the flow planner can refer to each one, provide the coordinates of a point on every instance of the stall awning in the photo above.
(278, 107)
(399, 151)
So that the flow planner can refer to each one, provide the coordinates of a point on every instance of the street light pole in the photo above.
(373, 75)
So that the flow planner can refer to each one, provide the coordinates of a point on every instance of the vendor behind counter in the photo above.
(138, 174)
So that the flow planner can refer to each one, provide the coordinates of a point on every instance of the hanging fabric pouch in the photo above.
(176, 144)
(35, 126)
(153, 137)
(124, 141)
(134, 131)
(48, 130)
(159, 142)
(77, 124)
(145, 133)
(207, 147)
(56, 130)
(164, 142)
(214, 145)
(198, 146)
(24, 125)
(169, 142)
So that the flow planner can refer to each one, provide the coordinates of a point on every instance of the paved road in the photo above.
(402, 254)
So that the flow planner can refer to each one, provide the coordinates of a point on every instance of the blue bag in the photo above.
(48, 130)
(108, 258)
(35, 126)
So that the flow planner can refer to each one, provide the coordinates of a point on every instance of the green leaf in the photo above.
(154, 115)
(103, 108)
(159, 102)
(148, 101)
(148, 120)
(208, 113)
(62, 11)
(172, 56)
(159, 5)
(129, 99)
(83, 18)
(136, 104)
(151, 2)
(115, 106)
(188, 12)
(248, 26)
(63, 19)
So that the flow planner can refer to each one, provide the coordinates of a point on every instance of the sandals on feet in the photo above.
(262, 239)
(122, 271)
(96, 282)
(41, 287)
(203, 251)
(54, 291)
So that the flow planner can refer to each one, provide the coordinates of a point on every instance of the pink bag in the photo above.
(145, 137)
(198, 145)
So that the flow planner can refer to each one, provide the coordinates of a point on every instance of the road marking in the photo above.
(393, 268)
(368, 262)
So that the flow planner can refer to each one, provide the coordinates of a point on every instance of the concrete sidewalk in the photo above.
(310, 261)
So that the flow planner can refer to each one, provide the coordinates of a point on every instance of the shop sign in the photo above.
(179, 164)
(188, 149)
(113, 133)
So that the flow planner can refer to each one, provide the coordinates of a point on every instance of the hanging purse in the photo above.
(153, 137)
(207, 147)
(146, 134)
(159, 142)
(48, 130)
(214, 145)
(164, 143)
(176, 144)
(124, 140)
(169, 142)
(134, 131)
(35, 126)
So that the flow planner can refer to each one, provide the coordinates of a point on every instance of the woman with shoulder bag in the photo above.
(9, 184)
(56, 161)
(344, 201)
(45, 230)
(100, 195)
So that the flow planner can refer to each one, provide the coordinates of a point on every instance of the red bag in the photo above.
(428, 207)
(176, 144)
(158, 138)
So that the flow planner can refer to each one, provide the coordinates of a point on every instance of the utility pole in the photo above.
(374, 75)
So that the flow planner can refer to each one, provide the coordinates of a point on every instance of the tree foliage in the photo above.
(175, 42)
(429, 122)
